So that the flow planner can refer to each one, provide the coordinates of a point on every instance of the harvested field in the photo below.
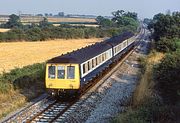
(19, 54)
(70, 19)
(4, 30)
(86, 25)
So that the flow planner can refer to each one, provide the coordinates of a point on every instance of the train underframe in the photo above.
(62, 92)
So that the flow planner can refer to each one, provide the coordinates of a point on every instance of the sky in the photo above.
(144, 8)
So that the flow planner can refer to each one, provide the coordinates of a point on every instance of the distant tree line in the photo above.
(121, 21)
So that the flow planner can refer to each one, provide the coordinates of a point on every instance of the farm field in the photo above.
(53, 19)
(4, 30)
(19, 54)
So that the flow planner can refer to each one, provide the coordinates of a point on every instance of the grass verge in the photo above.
(20, 86)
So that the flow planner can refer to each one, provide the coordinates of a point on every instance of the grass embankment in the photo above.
(19, 86)
(146, 105)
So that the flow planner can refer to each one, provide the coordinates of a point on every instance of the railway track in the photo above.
(50, 110)
(51, 113)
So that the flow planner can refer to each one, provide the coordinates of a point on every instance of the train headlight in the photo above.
(71, 86)
(50, 85)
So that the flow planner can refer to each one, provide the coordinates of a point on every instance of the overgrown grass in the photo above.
(19, 86)
(143, 89)
(146, 84)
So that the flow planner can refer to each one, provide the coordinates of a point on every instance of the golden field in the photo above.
(53, 19)
(4, 30)
(86, 25)
(19, 54)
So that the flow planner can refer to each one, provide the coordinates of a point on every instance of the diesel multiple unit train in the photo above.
(71, 72)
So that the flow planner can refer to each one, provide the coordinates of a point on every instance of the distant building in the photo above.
(25, 18)
(80, 16)
(61, 14)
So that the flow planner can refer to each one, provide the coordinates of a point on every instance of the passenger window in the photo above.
(103, 57)
(61, 72)
(70, 72)
(52, 72)
(124, 44)
(88, 65)
(96, 61)
(99, 59)
(93, 63)
(84, 69)
(119, 47)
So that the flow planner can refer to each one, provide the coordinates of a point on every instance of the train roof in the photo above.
(118, 39)
(81, 55)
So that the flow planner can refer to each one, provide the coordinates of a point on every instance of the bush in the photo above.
(177, 40)
(166, 45)
(5, 87)
(150, 112)
(23, 78)
(35, 33)
(167, 77)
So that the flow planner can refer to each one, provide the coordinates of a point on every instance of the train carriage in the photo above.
(70, 72)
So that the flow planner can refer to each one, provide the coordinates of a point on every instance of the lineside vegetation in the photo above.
(19, 86)
(157, 96)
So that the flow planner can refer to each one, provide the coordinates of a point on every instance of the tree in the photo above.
(46, 14)
(40, 15)
(147, 21)
(166, 25)
(104, 22)
(166, 45)
(50, 14)
(99, 19)
(131, 15)
(122, 18)
(44, 23)
(117, 15)
(13, 22)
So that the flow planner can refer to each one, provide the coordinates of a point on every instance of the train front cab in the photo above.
(62, 78)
